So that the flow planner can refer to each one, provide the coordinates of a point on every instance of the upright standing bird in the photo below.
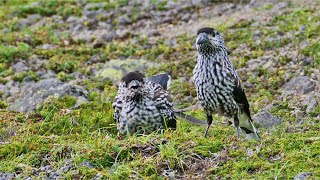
(217, 83)
(142, 106)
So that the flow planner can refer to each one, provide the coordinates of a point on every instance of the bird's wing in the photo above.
(240, 97)
(162, 101)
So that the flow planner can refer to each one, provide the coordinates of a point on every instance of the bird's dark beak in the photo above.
(134, 85)
(201, 39)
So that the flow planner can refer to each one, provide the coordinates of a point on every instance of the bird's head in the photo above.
(208, 40)
(134, 82)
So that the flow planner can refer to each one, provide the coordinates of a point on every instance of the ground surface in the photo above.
(59, 62)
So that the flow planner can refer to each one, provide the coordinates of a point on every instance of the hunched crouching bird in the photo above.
(217, 83)
(142, 106)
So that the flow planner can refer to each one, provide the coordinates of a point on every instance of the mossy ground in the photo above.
(88, 133)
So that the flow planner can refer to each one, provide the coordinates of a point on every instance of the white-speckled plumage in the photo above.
(217, 83)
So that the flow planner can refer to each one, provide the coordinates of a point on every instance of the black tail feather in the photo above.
(163, 79)
(191, 119)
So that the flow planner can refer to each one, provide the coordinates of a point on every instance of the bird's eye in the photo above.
(134, 87)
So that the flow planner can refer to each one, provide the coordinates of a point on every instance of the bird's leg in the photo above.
(209, 122)
(236, 123)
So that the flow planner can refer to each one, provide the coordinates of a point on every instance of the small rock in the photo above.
(84, 35)
(166, 20)
(121, 34)
(199, 2)
(5, 30)
(257, 33)
(87, 164)
(65, 168)
(98, 176)
(266, 120)
(153, 33)
(311, 101)
(33, 94)
(20, 66)
(31, 19)
(250, 152)
(47, 46)
(299, 85)
(72, 19)
(98, 43)
(4, 176)
(124, 20)
(189, 99)
(109, 36)
(77, 27)
(186, 17)
(302, 176)
(306, 61)
(301, 28)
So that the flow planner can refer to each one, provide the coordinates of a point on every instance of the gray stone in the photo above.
(81, 100)
(84, 35)
(189, 99)
(42, 22)
(87, 164)
(72, 19)
(33, 94)
(31, 19)
(77, 27)
(65, 168)
(266, 120)
(124, 20)
(48, 46)
(5, 30)
(311, 102)
(98, 43)
(306, 61)
(19, 67)
(199, 2)
(46, 74)
(299, 85)
(302, 176)
(301, 28)
(108, 36)
(166, 20)
(121, 34)
(186, 17)
(5, 176)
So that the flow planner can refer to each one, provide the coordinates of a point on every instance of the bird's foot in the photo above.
(238, 132)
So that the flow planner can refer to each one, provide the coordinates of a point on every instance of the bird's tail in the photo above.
(163, 79)
(247, 126)
(190, 119)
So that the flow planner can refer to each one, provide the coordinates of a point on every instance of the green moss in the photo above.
(242, 24)
(19, 76)
(3, 105)
(48, 8)
(7, 72)
(62, 76)
(67, 63)
(315, 112)
(312, 50)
